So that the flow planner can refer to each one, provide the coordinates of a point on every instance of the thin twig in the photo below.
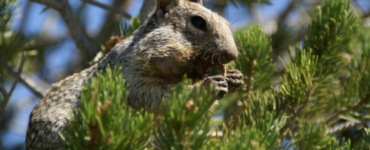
(346, 126)
(18, 74)
(6, 99)
(250, 78)
(7, 96)
(366, 15)
(4, 93)
(353, 107)
(113, 9)
(296, 114)
(78, 36)
(293, 4)
(22, 80)
(49, 3)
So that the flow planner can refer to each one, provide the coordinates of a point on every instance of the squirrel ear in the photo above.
(200, 2)
(166, 5)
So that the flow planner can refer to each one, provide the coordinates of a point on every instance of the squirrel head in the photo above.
(183, 37)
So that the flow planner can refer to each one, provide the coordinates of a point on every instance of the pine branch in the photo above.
(110, 8)
(353, 107)
(296, 114)
(344, 126)
(254, 62)
(78, 36)
(104, 121)
(249, 81)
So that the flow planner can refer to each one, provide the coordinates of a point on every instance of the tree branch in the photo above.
(286, 12)
(33, 89)
(255, 12)
(345, 126)
(148, 6)
(296, 114)
(4, 93)
(49, 3)
(110, 8)
(18, 74)
(80, 39)
(2, 90)
(111, 24)
(343, 111)
(367, 15)
(6, 99)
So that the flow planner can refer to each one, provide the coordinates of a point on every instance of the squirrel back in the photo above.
(179, 37)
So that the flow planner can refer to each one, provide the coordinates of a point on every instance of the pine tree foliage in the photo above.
(325, 84)
(259, 130)
(254, 59)
(103, 100)
(364, 143)
(329, 37)
(185, 123)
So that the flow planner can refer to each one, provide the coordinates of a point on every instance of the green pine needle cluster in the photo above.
(254, 59)
(96, 125)
(186, 120)
(126, 30)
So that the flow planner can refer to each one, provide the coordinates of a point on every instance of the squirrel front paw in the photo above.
(225, 84)
(234, 80)
(219, 84)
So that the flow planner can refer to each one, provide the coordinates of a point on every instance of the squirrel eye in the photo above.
(199, 23)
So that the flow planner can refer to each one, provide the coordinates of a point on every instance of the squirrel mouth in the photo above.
(209, 69)
(205, 69)
(206, 64)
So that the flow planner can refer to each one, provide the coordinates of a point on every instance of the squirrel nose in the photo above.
(229, 49)
(231, 53)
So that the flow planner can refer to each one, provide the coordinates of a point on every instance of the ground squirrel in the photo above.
(178, 38)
